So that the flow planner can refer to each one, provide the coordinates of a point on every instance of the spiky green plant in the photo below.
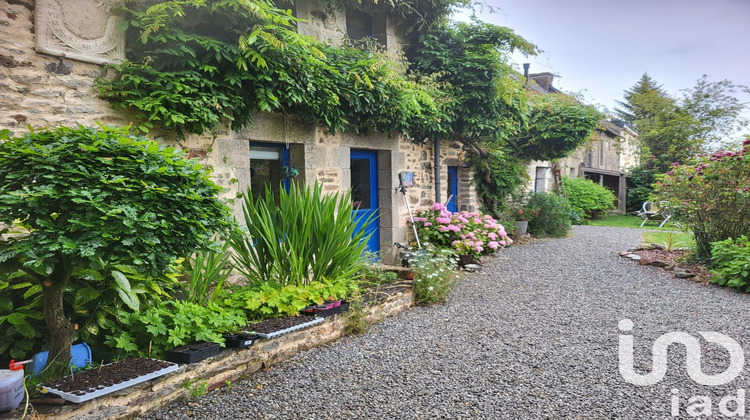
(305, 236)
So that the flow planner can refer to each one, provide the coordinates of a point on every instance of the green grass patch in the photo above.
(617, 220)
(629, 220)
(669, 239)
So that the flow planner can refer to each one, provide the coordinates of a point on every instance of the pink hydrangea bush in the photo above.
(467, 233)
(710, 196)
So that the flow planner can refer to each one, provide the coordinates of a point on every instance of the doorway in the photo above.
(364, 176)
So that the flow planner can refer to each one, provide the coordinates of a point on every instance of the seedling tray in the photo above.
(310, 323)
(94, 390)
(328, 312)
(191, 353)
(240, 341)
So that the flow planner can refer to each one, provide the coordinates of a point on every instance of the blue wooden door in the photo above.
(452, 189)
(364, 176)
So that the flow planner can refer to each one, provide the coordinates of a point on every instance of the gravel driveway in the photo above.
(532, 336)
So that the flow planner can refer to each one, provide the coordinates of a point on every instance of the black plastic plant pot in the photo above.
(194, 352)
(324, 311)
(343, 307)
(317, 310)
(239, 341)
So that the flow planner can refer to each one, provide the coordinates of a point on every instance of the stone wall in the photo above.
(229, 365)
(604, 151)
(41, 90)
(45, 91)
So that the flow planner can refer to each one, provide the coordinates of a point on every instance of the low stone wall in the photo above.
(229, 365)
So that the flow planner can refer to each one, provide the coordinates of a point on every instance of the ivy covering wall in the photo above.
(195, 63)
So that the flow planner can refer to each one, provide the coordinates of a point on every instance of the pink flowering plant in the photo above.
(711, 196)
(467, 233)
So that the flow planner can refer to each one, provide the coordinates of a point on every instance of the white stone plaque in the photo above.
(84, 30)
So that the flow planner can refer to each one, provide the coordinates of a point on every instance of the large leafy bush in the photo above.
(553, 216)
(304, 237)
(587, 198)
(159, 328)
(731, 263)
(96, 203)
(711, 196)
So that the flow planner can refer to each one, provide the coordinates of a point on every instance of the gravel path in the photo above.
(532, 336)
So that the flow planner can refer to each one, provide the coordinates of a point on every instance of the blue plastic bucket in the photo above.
(81, 357)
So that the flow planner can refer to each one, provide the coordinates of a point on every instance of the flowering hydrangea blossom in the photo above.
(710, 194)
(471, 233)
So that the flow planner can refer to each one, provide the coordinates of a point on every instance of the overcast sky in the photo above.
(601, 47)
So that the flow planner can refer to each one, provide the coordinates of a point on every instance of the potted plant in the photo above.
(522, 212)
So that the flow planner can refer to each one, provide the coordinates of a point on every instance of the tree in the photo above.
(676, 129)
(717, 111)
(91, 199)
(558, 124)
(486, 102)
(630, 113)
(666, 131)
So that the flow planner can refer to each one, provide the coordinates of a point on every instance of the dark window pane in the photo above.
(358, 25)
(265, 169)
(360, 171)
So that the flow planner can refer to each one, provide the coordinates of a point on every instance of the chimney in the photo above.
(544, 80)
(526, 72)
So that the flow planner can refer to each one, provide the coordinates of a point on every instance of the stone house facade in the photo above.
(43, 87)
(606, 158)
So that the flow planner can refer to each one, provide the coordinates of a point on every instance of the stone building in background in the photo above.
(606, 158)
(51, 52)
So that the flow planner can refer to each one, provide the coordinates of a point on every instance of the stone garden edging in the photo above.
(229, 365)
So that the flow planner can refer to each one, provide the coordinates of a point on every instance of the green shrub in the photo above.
(587, 198)
(92, 200)
(170, 324)
(498, 176)
(553, 219)
(710, 196)
(307, 236)
(731, 263)
(266, 300)
(436, 276)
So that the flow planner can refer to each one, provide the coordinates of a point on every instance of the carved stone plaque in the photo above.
(84, 30)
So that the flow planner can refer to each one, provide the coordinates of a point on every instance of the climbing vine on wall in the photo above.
(558, 124)
(194, 63)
